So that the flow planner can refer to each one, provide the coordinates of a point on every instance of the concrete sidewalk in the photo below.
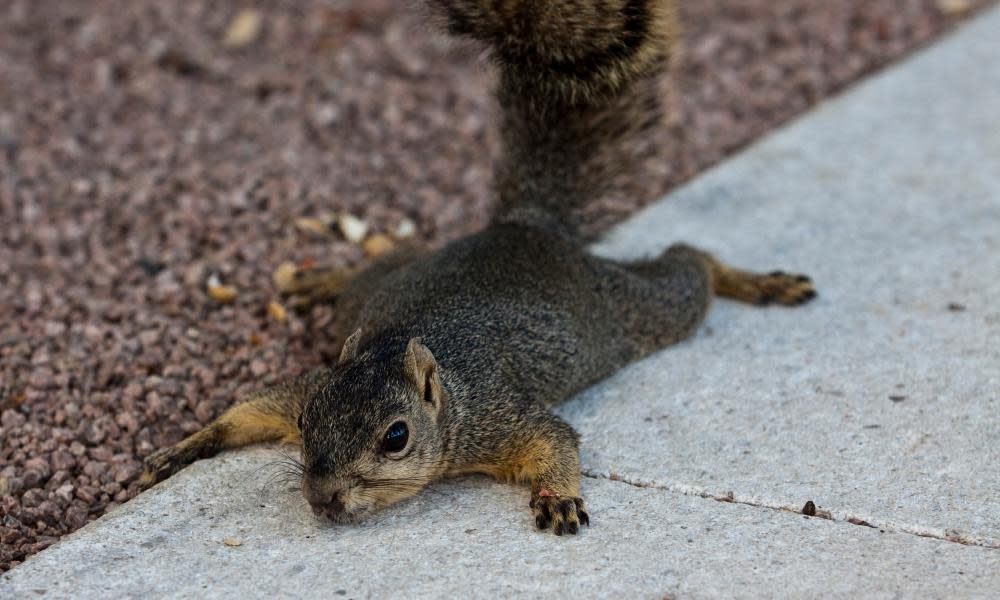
(879, 402)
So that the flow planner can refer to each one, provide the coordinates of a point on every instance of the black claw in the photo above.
(777, 274)
(544, 517)
(803, 279)
(559, 528)
(581, 512)
(810, 294)
(765, 299)
(572, 527)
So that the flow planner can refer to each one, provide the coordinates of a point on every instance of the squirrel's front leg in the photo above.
(270, 414)
(546, 453)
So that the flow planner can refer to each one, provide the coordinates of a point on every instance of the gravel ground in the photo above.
(145, 146)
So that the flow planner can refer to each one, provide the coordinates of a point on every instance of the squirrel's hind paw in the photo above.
(311, 286)
(783, 288)
(564, 514)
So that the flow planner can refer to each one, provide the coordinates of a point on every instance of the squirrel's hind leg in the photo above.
(664, 300)
(659, 301)
(315, 285)
(776, 287)
(268, 415)
(325, 284)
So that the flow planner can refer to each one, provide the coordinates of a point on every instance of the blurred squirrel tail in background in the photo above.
(577, 81)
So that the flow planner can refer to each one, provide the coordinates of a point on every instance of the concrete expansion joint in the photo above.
(808, 510)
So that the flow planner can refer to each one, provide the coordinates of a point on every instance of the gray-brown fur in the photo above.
(470, 346)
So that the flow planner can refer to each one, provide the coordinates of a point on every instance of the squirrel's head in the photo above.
(374, 434)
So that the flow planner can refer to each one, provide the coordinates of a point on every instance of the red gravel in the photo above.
(138, 155)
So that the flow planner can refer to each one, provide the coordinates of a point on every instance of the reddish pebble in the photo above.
(258, 368)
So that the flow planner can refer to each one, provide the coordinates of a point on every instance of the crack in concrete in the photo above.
(840, 516)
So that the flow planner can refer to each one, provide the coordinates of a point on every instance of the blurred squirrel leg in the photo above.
(325, 284)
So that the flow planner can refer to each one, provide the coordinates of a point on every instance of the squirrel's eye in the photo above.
(396, 437)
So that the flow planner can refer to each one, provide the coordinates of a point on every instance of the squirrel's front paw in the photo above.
(564, 514)
(159, 466)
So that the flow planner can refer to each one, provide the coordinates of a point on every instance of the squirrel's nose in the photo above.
(333, 505)
(326, 496)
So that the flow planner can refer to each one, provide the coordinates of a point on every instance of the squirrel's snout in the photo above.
(325, 496)
(331, 507)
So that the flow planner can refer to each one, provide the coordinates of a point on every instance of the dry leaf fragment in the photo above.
(243, 29)
(312, 225)
(307, 263)
(13, 401)
(231, 542)
(353, 228)
(377, 245)
(954, 7)
(320, 225)
(284, 276)
(277, 311)
(219, 291)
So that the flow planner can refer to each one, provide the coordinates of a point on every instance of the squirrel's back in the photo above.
(577, 80)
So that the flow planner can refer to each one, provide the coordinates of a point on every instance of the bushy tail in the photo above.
(577, 79)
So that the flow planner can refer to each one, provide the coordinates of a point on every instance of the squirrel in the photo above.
(457, 355)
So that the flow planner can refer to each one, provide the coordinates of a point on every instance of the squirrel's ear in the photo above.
(422, 371)
(350, 348)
